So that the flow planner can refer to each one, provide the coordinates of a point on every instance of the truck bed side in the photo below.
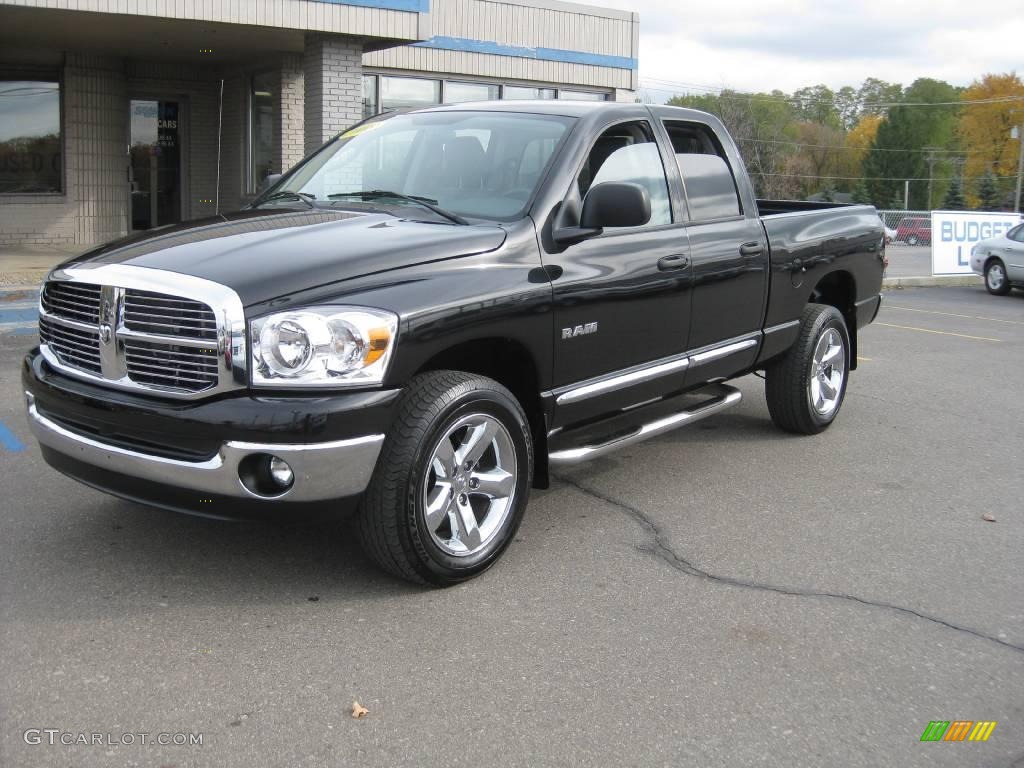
(823, 252)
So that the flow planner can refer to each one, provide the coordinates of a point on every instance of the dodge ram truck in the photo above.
(426, 316)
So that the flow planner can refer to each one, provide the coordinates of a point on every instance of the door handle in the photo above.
(751, 249)
(676, 261)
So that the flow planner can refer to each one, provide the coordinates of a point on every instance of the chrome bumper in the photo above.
(323, 471)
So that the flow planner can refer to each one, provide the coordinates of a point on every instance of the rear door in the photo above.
(622, 300)
(728, 255)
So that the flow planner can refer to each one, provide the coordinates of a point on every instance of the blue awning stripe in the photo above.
(524, 52)
(411, 6)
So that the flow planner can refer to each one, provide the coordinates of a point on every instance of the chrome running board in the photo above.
(722, 397)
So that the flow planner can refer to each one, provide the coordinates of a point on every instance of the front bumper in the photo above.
(322, 470)
(208, 458)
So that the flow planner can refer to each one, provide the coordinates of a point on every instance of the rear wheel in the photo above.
(452, 480)
(805, 389)
(996, 281)
(912, 240)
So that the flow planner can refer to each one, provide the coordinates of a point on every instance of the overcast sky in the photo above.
(765, 44)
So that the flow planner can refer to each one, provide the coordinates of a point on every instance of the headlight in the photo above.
(322, 347)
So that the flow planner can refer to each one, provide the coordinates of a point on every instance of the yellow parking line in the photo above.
(863, 359)
(953, 314)
(932, 330)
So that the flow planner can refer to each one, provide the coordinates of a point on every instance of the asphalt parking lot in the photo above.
(723, 596)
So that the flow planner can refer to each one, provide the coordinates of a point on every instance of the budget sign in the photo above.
(954, 233)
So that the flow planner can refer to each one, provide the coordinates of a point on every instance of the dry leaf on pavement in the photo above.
(358, 710)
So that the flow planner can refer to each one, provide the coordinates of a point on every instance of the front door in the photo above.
(154, 172)
(622, 300)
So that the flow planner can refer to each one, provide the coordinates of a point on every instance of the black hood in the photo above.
(263, 254)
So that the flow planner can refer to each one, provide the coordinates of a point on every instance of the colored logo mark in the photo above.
(958, 730)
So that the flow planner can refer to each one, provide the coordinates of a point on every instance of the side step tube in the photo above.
(722, 397)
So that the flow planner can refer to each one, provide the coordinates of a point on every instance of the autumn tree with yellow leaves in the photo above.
(984, 130)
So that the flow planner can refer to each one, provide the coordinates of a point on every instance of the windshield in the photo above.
(483, 165)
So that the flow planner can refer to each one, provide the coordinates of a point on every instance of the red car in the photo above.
(914, 230)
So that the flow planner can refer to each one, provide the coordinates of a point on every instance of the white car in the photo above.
(1001, 261)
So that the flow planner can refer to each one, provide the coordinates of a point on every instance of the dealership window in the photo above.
(456, 93)
(522, 92)
(261, 121)
(369, 96)
(30, 139)
(581, 95)
(397, 92)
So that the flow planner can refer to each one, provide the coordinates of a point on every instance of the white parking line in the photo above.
(954, 314)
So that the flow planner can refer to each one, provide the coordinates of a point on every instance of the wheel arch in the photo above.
(839, 289)
(511, 364)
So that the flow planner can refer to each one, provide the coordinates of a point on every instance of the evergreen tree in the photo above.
(954, 199)
(861, 194)
(988, 191)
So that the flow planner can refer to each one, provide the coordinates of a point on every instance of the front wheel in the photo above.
(912, 240)
(452, 480)
(996, 281)
(805, 389)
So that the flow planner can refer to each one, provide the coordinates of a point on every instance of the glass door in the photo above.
(154, 172)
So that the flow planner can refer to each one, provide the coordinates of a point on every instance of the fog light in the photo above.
(281, 473)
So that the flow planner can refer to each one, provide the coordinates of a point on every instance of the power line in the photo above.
(855, 149)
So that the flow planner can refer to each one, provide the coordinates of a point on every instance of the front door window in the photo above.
(155, 168)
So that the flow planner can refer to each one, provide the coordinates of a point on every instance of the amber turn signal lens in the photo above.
(379, 338)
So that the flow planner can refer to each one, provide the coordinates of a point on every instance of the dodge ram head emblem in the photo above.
(106, 333)
(579, 330)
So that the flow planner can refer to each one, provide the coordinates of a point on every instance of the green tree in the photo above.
(817, 104)
(954, 199)
(861, 194)
(988, 191)
(873, 92)
(896, 153)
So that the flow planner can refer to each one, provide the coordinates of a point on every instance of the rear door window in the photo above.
(711, 191)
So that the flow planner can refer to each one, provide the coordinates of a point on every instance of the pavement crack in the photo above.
(661, 548)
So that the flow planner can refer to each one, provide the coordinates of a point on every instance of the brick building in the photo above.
(122, 115)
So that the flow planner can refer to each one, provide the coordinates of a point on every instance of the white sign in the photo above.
(954, 233)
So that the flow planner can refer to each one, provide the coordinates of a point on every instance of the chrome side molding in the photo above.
(655, 370)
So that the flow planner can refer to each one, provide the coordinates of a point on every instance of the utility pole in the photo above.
(931, 155)
(1020, 161)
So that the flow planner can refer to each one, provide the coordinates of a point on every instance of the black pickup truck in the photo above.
(430, 312)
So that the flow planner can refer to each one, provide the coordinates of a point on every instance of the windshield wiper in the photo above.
(285, 195)
(426, 202)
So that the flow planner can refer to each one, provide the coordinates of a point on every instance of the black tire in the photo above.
(391, 522)
(788, 382)
(996, 281)
(912, 240)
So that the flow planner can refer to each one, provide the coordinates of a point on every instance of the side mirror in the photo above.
(610, 204)
(268, 181)
(616, 204)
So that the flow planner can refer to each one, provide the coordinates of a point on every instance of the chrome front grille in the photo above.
(72, 301)
(129, 328)
(169, 365)
(75, 347)
(155, 313)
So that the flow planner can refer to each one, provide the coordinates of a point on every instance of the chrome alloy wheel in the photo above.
(995, 276)
(828, 367)
(470, 484)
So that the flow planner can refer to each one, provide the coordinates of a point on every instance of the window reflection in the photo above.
(30, 141)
